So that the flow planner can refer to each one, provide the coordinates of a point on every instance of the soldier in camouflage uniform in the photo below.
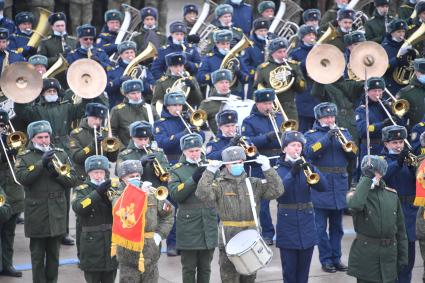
(132, 109)
(45, 204)
(196, 221)
(175, 62)
(93, 208)
(277, 50)
(5, 214)
(159, 220)
(15, 197)
(228, 188)
(149, 31)
(81, 12)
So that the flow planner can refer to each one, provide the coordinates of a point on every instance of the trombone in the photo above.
(399, 107)
(275, 127)
(159, 171)
(110, 144)
(16, 139)
(347, 146)
(312, 178)
(288, 124)
(8, 162)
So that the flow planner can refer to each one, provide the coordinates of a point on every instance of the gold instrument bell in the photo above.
(21, 83)
(86, 78)
(325, 63)
(368, 59)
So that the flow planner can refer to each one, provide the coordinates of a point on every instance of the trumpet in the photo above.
(347, 146)
(161, 192)
(250, 149)
(159, 171)
(312, 178)
(62, 168)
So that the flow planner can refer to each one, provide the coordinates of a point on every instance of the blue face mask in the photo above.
(341, 6)
(237, 169)
(421, 79)
(97, 183)
(223, 51)
(135, 181)
(261, 37)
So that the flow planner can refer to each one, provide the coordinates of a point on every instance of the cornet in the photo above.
(312, 178)
(161, 192)
(347, 146)
(62, 168)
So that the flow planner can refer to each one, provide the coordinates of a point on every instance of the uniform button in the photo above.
(187, 215)
(366, 218)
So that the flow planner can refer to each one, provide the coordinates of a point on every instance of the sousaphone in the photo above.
(325, 63)
(21, 83)
(368, 59)
(86, 78)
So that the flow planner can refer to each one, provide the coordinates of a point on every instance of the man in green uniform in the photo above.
(159, 220)
(175, 62)
(15, 197)
(149, 31)
(142, 147)
(380, 247)
(414, 93)
(134, 108)
(221, 79)
(196, 221)
(94, 209)
(278, 58)
(345, 19)
(406, 9)
(39, 62)
(5, 214)
(230, 189)
(45, 204)
(376, 27)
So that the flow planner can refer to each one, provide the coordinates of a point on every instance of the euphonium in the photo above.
(159, 171)
(149, 52)
(250, 149)
(312, 178)
(347, 146)
(41, 30)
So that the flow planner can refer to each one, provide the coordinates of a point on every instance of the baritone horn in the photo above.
(42, 28)
(132, 68)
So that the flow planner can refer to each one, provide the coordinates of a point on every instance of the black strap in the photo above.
(297, 206)
(335, 170)
(375, 241)
(97, 228)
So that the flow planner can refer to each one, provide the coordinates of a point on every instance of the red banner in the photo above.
(420, 185)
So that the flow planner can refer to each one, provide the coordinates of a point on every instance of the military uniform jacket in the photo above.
(416, 132)
(376, 214)
(18, 41)
(338, 40)
(82, 145)
(375, 27)
(196, 221)
(230, 195)
(414, 93)
(106, 41)
(287, 98)
(94, 213)
(134, 153)
(392, 47)
(212, 105)
(13, 57)
(193, 58)
(405, 10)
(51, 47)
(329, 17)
(328, 156)
(237, 36)
(242, 16)
(254, 55)
(80, 53)
(194, 97)
(146, 36)
(5, 211)
(159, 219)
(45, 202)
(123, 114)
(296, 228)
(7, 24)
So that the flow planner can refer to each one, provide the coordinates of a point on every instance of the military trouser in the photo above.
(7, 238)
(196, 265)
(80, 14)
(68, 206)
(77, 234)
(131, 274)
(422, 248)
(100, 276)
(228, 272)
(45, 259)
(116, 4)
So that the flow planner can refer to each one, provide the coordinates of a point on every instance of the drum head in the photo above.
(242, 241)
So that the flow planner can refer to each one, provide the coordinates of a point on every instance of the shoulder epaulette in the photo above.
(82, 187)
(265, 64)
(362, 106)
(105, 33)
(238, 29)
(109, 68)
(126, 151)
(372, 18)
(161, 119)
(310, 131)
(76, 130)
(24, 152)
(121, 105)
(343, 129)
(163, 78)
(295, 62)
(405, 6)
(391, 190)
(177, 165)
(190, 45)
(210, 54)
(421, 124)
(49, 37)
(58, 149)
(407, 88)
(216, 140)
(99, 49)
(72, 37)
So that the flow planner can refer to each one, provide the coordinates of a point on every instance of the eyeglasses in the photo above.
(87, 38)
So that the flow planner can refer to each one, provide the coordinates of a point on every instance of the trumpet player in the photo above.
(93, 208)
(47, 175)
(158, 219)
(228, 188)
(258, 127)
(171, 127)
(15, 200)
(401, 175)
(134, 108)
(326, 147)
(296, 233)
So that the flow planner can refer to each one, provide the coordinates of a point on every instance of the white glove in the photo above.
(157, 238)
(264, 161)
(375, 183)
(214, 165)
(404, 50)
(146, 186)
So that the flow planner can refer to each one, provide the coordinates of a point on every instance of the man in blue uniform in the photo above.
(258, 128)
(6, 22)
(127, 52)
(213, 60)
(401, 176)
(86, 34)
(415, 135)
(109, 32)
(176, 43)
(18, 41)
(326, 152)
(4, 49)
(242, 15)
(190, 14)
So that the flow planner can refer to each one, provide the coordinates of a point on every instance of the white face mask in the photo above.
(261, 37)
(43, 148)
(223, 51)
(97, 183)
(344, 30)
(26, 31)
(135, 102)
(178, 42)
(147, 27)
(397, 39)
(341, 6)
(51, 98)
(236, 2)
(126, 61)
(289, 158)
(191, 161)
(59, 33)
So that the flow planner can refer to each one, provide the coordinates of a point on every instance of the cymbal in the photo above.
(86, 78)
(21, 83)
(325, 63)
(368, 59)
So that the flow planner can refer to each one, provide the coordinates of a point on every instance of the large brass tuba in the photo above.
(231, 58)
(329, 35)
(41, 30)
(132, 68)
(282, 27)
(417, 36)
(203, 26)
(58, 67)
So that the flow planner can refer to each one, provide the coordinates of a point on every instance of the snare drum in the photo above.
(248, 252)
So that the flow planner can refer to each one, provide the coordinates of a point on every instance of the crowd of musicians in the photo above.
(324, 114)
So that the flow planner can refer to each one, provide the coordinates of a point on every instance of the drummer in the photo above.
(232, 189)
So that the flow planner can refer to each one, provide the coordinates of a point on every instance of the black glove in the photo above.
(296, 167)
(193, 38)
(186, 115)
(148, 158)
(402, 156)
(198, 173)
(235, 140)
(12, 152)
(47, 156)
(189, 83)
(100, 138)
(332, 132)
(235, 68)
(271, 136)
(102, 189)
(66, 50)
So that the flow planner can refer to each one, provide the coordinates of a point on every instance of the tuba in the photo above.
(132, 68)
(41, 30)
(203, 26)
(330, 34)
(284, 28)
(58, 67)
(230, 59)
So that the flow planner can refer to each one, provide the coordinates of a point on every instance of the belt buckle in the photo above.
(51, 195)
(300, 206)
